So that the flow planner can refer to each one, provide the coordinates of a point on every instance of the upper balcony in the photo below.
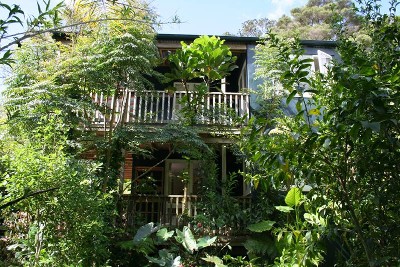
(225, 103)
(160, 107)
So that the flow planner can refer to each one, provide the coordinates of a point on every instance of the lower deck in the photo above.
(175, 211)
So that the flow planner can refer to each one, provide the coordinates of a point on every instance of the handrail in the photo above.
(162, 107)
(165, 209)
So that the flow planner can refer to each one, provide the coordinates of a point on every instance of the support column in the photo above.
(223, 85)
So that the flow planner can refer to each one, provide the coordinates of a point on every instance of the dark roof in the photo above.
(240, 39)
(191, 37)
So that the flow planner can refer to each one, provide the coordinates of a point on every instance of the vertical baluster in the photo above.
(145, 106)
(179, 100)
(134, 113)
(168, 107)
(157, 104)
(128, 106)
(118, 106)
(162, 106)
(230, 107)
(203, 109)
(111, 108)
(236, 105)
(247, 107)
(188, 206)
(96, 113)
(208, 108)
(212, 107)
(220, 109)
(173, 115)
(140, 98)
(241, 105)
(151, 107)
(170, 211)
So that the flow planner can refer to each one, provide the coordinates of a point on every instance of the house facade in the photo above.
(166, 186)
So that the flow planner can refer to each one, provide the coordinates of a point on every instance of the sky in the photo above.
(202, 16)
(219, 16)
(212, 17)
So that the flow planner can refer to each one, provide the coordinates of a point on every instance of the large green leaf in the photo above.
(293, 197)
(166, 259)
(261, 226)
(164, 235)
(285, 209)
(205, 241)
(144, 232)
(214, 259)
(186, 238)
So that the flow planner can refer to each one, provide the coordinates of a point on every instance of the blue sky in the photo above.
(206, 16)
(219, 16)
(203, 16)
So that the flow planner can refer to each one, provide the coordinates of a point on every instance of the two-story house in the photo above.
(158, 192)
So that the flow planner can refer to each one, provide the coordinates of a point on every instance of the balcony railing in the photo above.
(166, 210)
(170, 210)
(162, 107)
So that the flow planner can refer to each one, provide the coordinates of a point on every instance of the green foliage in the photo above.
(144, 231)
(48, 236)
(345, 147)
(218, 208)
(173, 254)
(293, 197)
(183, 139)
(261, 226)
(310, 22)
(256, 27)
(48, 101)
(206, 59)
(47, 18)
(261, 248)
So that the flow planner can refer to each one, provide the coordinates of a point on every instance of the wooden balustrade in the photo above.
(170, 210)
(162, 107)
(165, 210)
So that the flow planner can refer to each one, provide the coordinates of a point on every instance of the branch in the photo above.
(151, 168)
(54, 29)
(12, 202)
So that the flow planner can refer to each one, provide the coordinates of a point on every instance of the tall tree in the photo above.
(312, 22)
(256, 27)
(49, 105)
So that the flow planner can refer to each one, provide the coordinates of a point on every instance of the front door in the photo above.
(182, 179)
(182, 175)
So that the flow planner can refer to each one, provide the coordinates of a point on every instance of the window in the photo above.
(148, 181)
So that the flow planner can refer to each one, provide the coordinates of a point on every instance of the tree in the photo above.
(47, 20)
(311, 22)
(206, 59)
(343, 142)
(61, 225)
(256, 27)
(49, 106)
(63, 17)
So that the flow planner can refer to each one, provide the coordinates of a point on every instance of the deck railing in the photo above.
(162, 107)
(170, 210)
